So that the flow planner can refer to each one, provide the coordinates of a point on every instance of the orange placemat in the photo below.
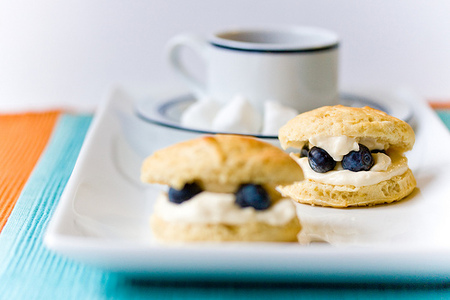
(440, 104)
(23, 137)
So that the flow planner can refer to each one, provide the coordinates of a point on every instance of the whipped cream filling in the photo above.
(338, 146)
(385, 168)
(215, 208)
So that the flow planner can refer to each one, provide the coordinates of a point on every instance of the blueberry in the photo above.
(357, 161)
(187, 192)
(304, 151)
(378, 151)
(253, 195)
(320, 161)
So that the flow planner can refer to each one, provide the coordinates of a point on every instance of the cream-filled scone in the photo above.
(349, 157)
(222, 188)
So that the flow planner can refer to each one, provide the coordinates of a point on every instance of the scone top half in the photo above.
(220, 163)
(361, 123)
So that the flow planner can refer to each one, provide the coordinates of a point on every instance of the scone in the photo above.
(222, 188)
(349, 156)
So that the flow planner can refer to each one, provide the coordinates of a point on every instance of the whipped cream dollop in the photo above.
(200, 114)
(215, 208)
(275, 116)
(236, 116)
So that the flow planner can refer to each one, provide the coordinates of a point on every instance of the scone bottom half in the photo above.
(349, 156)
(222, 175)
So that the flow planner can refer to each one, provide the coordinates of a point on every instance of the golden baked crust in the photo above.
(249, 232)
(220, 163)
(316, 193)
(349, 121)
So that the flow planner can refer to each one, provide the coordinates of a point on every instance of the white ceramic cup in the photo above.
(296, 66)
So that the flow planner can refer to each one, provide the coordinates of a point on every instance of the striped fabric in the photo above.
(22, 140)
(37, 155)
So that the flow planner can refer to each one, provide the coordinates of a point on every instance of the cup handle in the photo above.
(199, 46)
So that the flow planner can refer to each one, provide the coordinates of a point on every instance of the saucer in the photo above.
(167, 111)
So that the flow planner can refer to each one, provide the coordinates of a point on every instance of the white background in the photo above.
(69, 52)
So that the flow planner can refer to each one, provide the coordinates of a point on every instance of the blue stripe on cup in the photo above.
(316, 49)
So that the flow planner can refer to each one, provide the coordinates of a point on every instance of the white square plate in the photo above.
(102, 217)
